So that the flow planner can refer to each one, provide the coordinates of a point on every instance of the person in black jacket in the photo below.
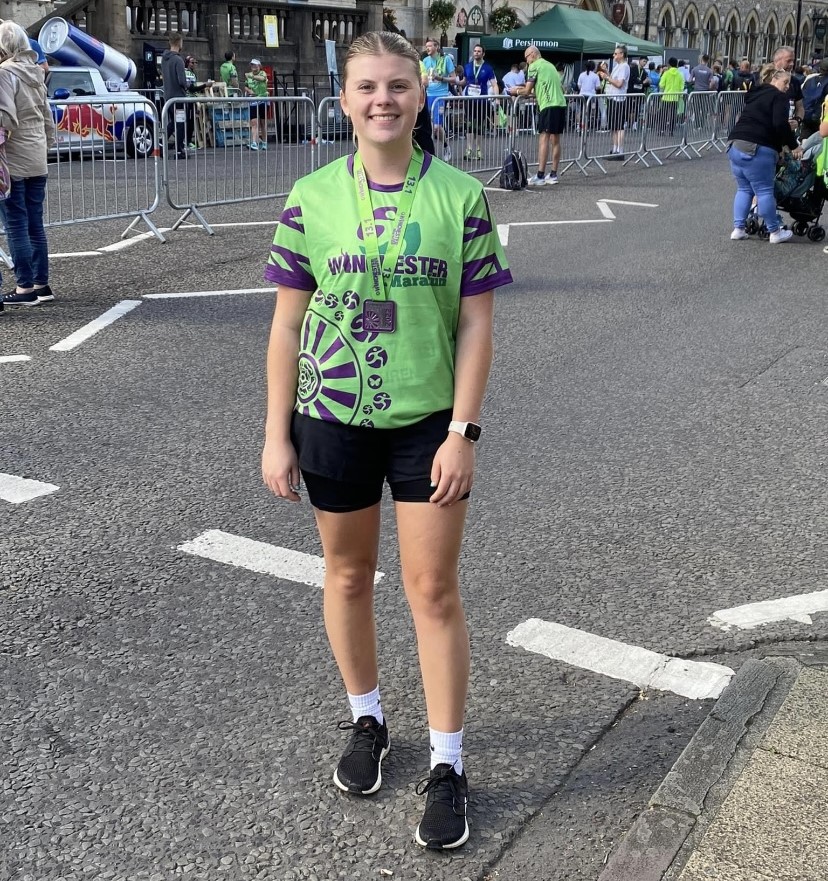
(754, 143)
(175, 86)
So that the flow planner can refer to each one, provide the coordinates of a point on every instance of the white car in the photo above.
(92, 115)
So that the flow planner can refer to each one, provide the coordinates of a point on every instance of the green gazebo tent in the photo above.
(565, 30)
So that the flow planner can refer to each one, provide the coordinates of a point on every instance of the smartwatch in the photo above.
(469, 430)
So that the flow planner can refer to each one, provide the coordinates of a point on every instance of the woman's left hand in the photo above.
(797, 154)
(452, 471)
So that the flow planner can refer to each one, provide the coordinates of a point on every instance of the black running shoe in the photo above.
(360, 769)
(44, 294)
(444, 822)
(15, 299)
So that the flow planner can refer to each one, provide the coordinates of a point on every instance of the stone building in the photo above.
(729, 29)
(211, 28)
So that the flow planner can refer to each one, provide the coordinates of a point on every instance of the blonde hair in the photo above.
(769, 73)
(13, 39)
(381, 43)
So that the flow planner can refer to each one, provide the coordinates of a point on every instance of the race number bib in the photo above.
(474, 91)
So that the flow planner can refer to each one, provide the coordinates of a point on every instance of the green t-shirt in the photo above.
(671, 85)
(257, 83)
(450, 250)
(547, 80)
(228, 73)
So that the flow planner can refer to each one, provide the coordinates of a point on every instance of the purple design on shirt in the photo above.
(294, 274)
(334, 347)
(483, 275)
(320, 330)
(341, 371)
(476, 226)
(292, 219)
(347, 399)
(324, 412)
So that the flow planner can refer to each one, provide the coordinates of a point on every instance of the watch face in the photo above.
(472, 432)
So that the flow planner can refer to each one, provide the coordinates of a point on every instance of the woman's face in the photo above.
(781, 83)
(383, 95)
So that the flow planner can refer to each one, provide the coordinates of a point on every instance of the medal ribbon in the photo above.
(382, 269)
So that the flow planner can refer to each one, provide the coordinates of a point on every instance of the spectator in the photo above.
(654, 74)
(544, 81)
(175, 86)
(515, 77)
(672, 93)
(477, 80)
(684, 70)
(228, 73)
(702, 75)
(255, 86)
(783, 59)
(439, 70)
(754, 143)
(589, 85)
(616, 87)
(25, 114)
(193, 88)
(814, 93)
(744, 78)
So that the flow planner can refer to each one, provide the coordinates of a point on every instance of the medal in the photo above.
(379, 315)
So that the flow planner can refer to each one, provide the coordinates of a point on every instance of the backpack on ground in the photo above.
(813, 94)
(514, 174)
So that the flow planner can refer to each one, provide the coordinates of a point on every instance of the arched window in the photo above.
(710, 34)
(667, 26)
(732, 36)
(771, 38)
(690, 29)
(805, 43)
(751, 37)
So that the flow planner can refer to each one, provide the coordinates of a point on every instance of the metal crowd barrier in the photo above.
(113, 158)
(702, 118)
(334, 132)
(117, 174)
(610, 119)
(222, 151)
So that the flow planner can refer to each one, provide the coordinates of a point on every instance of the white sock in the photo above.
(447, 749)
(366, 705)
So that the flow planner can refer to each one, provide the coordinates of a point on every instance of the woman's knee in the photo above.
(434, 595)
(352, 579)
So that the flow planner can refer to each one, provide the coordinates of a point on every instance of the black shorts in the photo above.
(552, 120)
(258, 110)
(616, 114)
(344, 466)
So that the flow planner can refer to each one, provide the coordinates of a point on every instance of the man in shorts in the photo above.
(438, 71)
(616, 89)
(544, 81)
(478, 80)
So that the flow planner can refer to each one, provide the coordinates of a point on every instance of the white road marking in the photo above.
(128, 243)
(558, 222)
(796, 608)
(88, 330)
(503, 233)
(76, 254)
(10, 359)
(693, 679)
(16, 489)
(623, 202)
(605, 210)
(210, 293)
(258, 556)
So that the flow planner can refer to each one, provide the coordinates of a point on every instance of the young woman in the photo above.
(378, 361)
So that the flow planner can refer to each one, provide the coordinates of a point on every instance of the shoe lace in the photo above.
(364, 736)
(441, 787)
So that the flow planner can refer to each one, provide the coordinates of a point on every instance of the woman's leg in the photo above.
(762, 174)
(16, 222)
(744, 190)
(349, 543)
(430, 539)
(35, 196)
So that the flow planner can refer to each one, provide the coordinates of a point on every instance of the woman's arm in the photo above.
(8, 108)
(452, 471)
(280, 467)
(780, 109)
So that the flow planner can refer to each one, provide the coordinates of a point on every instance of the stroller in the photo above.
(799, 192)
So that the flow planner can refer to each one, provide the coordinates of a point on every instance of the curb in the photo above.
(651, 846)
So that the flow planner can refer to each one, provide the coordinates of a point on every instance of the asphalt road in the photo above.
(655, 450)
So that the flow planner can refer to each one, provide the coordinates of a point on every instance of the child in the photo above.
(378, 360)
